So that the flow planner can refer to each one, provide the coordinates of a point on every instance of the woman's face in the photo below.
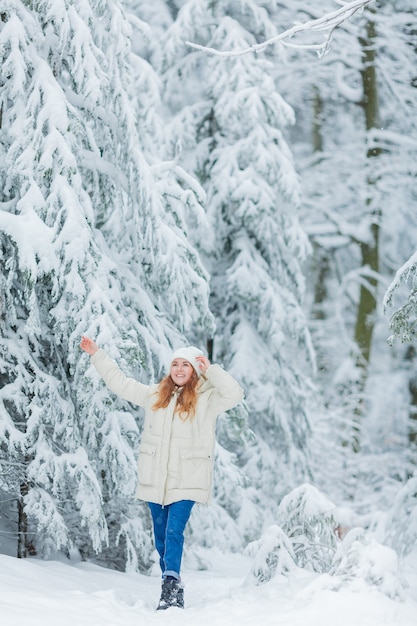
(181, 371)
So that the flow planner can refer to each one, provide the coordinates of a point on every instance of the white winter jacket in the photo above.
(175, 456)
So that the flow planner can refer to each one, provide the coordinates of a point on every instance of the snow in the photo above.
(150, 219)
(65, 593)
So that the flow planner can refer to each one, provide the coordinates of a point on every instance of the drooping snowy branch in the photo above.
(326, 24)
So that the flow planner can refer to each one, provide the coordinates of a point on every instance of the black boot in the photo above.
(172, 594)
(180, 596)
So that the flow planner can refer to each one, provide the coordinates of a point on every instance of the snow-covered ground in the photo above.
(60, 593)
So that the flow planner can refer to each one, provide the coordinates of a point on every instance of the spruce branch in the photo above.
(328, 24)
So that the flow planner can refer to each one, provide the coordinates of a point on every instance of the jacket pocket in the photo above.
(195, 469)
(147, 464)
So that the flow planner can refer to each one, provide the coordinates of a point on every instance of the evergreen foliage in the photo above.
(154, 195)
(83, 227)
(304, 537)
(231, 126)
(362, 559)
(309, 520)
(356, 179)
(273, 556)
(401, 525)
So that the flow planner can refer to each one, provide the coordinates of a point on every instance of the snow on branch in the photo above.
(327, 24)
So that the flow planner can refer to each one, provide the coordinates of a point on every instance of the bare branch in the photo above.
(328, 23)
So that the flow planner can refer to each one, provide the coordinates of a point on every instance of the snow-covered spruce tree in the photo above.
(361, 560)
(401, 522)
(304, 536)
(309, 519)
(349, 170)
(44, 254)
(230, 121)
(62, 143)
(272, 554)
(158, 204)
(217, 524)
(348, 120)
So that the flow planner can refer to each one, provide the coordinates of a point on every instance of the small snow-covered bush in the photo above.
(273, 556)
(361, 560)
(308, 518)
(305, 537)
(402, 521)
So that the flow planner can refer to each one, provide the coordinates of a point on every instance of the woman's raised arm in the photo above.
(88, 345)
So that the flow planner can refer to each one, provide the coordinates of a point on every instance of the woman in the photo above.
(176, 454)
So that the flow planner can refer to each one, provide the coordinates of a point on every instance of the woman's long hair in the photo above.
(186, 400)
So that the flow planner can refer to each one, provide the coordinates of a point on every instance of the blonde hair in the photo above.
(186, 400)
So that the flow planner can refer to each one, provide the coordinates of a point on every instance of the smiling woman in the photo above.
(175, 468)
(187, 365)
(181, 372)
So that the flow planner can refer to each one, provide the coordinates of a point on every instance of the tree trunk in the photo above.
(367, 306)
(22, 524)
(365, 320)
(210, 346)
(321, 259)
(316, 133)
(410, 357)
(322, 263)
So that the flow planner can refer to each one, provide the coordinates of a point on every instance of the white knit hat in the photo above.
(189, 354)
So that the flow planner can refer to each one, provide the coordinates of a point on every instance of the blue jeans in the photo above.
(169, 523)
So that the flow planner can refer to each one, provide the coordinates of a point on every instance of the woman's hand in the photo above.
(203, 363)
(88, 345)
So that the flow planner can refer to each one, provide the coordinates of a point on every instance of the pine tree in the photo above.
(80, 213)
(356, 180)
(45, 246)
(230, 120)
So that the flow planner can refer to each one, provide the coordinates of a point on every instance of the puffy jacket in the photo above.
(175, 456)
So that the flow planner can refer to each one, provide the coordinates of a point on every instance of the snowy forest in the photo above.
(239, 175)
